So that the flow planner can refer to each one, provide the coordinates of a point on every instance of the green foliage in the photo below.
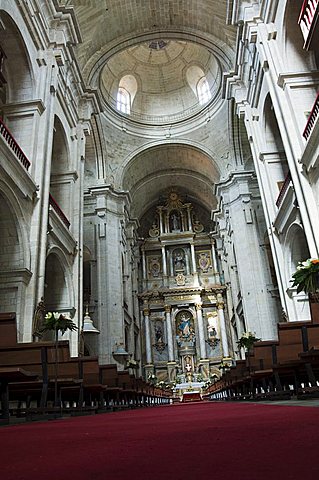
(247, 340)
(57, 322)
(306, 277)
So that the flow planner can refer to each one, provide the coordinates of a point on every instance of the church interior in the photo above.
(159, 224)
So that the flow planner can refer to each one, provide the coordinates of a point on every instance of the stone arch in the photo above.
(296, 250)
(297, 246)
(14, 258)
(20, 84)
(291, 42)
(60, 187)
(58, 295)
(273, 147)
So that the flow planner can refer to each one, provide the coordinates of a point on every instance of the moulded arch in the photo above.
(20, 85)
(59, 291)
(180, 166)
(60, 162)
(296, 249)
(17, 215)
(291, 42)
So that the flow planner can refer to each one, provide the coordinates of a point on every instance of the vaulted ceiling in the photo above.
(158, 41)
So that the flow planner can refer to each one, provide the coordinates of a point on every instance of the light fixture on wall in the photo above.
(88, 326)
(119, 351)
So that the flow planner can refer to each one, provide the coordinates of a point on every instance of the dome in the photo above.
(163, 79)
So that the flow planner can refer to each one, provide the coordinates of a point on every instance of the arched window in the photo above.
(203, 91)
(123, 100)
(126, 92)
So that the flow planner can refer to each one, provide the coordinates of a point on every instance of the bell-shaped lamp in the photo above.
(88, 326)
(120, 351)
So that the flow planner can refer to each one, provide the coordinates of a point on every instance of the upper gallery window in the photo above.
(123, 100)
(126, 92)
(203, 91)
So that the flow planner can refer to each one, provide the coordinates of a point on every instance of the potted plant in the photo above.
(306, 277)
(57, 322)
(247, 340)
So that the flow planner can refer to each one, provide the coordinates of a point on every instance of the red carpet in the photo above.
(180, 442)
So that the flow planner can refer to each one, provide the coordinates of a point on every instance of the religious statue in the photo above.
(184, 325)
(175, 222)
(179, 260)
(212, 319)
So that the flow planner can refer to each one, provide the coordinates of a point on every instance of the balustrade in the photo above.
(283, 189)
(8, 137)
(58, 211)
(311, 119)
(308, 18)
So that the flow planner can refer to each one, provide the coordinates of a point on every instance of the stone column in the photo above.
(221, 316)
(164, 264)
(214, 263)
(201, 333)
(190, 226)
(144, 263)
(194, 271)
(160, 214)
(148, 343)
(169, 333)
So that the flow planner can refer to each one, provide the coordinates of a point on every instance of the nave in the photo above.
(180, 441)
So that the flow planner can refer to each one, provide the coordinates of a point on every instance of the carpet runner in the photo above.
(182, 442)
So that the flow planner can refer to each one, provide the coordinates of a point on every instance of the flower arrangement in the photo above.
(247, 340)
(306, 277)
(57, 322)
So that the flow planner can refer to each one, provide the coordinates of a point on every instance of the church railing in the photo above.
(8, 137)
(307, 20)
(283, 189)
(58, 211)
(311, 119)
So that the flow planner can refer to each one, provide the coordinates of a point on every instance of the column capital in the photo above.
(146, 312)
(167, 309)
(199, 306)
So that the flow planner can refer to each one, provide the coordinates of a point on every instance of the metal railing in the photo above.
(58, 211)
(283, 189)
(15, 147)
(312, 118)
(308, 18)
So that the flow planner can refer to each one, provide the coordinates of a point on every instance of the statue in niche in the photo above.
(159, 337)
(179, 260)
(175, 222)
(154, 267)
(185, 327)
(212, 319)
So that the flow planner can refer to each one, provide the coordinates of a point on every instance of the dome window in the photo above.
(203, 91)
(126, 92)
(123, 102)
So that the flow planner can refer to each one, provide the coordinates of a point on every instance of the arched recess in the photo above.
(296, 250)
(61, 178)
(294, 56)
(274, 152)
(58, 294)
(14, 260)
(156, 169)
(19, 85)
